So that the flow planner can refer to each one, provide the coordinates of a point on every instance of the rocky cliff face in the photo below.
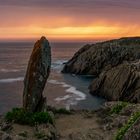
(36, 76)
(93, 59)
(120, 83)
(116, 66)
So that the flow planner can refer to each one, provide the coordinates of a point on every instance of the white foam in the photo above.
(9, 70)
(57, 65)
(63, 98)
(60, 62)
(81, 95)
(77, 95)
(54, 82)
(11, 80)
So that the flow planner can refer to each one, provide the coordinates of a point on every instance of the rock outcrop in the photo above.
(116, 66)
(119, 83)
(36, 76)
(93, 59)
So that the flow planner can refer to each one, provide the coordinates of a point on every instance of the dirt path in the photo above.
(79, 126)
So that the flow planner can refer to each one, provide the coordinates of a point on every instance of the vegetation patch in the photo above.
(118, 108)
(125, 128)
(62, 111)
(20, 116)
(59, 111)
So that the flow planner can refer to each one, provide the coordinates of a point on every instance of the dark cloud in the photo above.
(77, 12)
(73, 3)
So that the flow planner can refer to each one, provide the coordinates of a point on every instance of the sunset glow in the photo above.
(93, 22)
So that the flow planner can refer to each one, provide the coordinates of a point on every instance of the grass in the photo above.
(62, 111)
(20, 116)
(118, 108)
(125, 128)
(59, 111)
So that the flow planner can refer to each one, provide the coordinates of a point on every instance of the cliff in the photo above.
(93, 59)
(115, 64)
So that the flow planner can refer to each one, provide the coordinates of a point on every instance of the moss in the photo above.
(124, 129)
(118, 108)
(20, 116)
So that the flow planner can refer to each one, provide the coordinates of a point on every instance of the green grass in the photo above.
(125, 128)
(62, 111)
(118, 108)
(59, 111)
(20, 116)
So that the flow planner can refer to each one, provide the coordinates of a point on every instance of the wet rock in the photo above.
(120, 83)
(36, 76)
(95, 58)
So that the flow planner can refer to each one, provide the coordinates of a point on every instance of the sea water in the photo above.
(62, 90)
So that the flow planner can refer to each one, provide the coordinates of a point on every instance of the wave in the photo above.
(11, 80)
(63, 98)
(81, 95)
(9, 70)
(74, 97)
(57, 65)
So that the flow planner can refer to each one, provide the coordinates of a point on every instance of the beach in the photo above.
(62, 90)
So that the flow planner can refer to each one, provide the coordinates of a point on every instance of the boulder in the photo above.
(119, 83)
(36, 76)
(95, 58)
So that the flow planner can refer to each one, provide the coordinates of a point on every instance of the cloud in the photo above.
(73, 3)
(53, 14)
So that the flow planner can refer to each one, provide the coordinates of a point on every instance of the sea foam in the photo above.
(9, 70)
(77, 95)
(11, 80)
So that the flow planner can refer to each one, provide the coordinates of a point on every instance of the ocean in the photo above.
(62, 90)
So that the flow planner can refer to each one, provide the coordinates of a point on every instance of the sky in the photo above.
(69, 20)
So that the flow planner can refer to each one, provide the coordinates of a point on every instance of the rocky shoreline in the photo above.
(116, 66)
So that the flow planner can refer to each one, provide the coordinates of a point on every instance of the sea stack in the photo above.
(37, 73)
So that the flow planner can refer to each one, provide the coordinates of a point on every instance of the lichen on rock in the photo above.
(36, 76)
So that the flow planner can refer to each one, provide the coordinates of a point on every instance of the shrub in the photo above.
(118, 108)
(125, 128)
(20, 116)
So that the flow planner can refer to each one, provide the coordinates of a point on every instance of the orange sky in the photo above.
(67, 21)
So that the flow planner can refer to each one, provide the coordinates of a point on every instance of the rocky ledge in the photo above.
(116, 66)
(115, 120)
(119, 83)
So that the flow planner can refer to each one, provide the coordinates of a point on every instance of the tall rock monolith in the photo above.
(37, 73)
